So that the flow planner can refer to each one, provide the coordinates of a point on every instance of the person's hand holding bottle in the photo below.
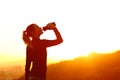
(49, 26)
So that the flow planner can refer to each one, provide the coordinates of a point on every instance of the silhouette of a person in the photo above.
(36, 53)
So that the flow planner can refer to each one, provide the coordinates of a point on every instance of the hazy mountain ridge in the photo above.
(12, 72)
(93, 67)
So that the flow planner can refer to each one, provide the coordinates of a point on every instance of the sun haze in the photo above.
(86, 26)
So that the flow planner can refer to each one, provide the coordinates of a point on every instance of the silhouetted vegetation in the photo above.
(93, 67)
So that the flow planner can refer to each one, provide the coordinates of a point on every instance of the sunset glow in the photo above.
(86, 26)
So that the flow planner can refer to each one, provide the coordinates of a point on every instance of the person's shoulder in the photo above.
(43, 40)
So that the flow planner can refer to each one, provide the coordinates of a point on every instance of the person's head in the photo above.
(34, 31)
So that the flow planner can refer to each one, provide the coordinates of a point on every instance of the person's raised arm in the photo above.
(58, 35)
(58, 39)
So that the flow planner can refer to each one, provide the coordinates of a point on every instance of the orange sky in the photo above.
(86, 26)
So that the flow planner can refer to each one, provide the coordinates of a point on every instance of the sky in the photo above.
(85, 25)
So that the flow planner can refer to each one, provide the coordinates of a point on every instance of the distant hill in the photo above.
(12, 63)
(93, 67)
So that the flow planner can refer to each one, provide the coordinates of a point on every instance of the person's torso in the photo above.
(38, 57)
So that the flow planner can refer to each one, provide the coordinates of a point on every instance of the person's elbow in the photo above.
(60, 40)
